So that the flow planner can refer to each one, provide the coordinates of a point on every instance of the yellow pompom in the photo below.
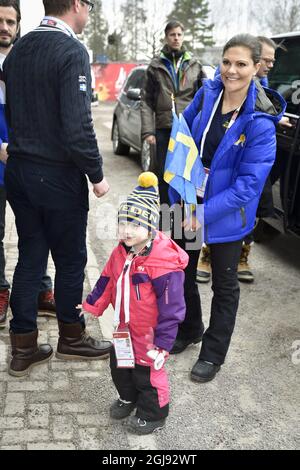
(148, 179)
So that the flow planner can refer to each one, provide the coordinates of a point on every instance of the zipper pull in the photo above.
(167, 293)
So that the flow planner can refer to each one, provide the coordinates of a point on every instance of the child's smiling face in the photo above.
(133, 234)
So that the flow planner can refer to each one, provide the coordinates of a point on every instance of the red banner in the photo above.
(109, 79)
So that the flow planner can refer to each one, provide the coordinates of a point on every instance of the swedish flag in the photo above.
(184, 171)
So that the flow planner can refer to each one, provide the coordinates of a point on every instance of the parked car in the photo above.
(126, 127)
(285, 78)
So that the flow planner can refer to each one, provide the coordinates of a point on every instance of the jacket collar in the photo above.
(145, 252)
(158, 62)
(52, 22)
(256, 104)
(171, 54)
(260, 100)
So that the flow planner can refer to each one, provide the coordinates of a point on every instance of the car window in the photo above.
(136, 80)
(285, 75)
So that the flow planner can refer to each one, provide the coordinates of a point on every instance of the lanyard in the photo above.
(175, 70)
(232, 120)
(178, 65)
(53, 22)
(126, 272)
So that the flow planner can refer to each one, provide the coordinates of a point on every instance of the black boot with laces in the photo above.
(120, 409)
(142, 427)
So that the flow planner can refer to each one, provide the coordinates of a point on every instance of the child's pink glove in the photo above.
(158, 356)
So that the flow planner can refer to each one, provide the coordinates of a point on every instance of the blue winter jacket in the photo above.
(3, 125)
(264, 81)
(242, 161)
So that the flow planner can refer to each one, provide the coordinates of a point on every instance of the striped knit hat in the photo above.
(142, 205)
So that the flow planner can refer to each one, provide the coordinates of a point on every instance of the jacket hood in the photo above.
(260, 100)
(174, 257)
(170, 53)
(269, 101)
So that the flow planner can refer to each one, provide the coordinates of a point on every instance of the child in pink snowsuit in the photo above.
(143, 280)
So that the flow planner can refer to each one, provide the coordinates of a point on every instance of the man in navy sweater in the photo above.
(52, 147)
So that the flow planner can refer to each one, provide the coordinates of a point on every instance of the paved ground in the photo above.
(252, 404)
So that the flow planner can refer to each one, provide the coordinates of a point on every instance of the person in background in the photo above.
(147, 310)
(52, 147)
(236, 136)
(172, 80)
(268, 50)
(265, 207)
(10, 18)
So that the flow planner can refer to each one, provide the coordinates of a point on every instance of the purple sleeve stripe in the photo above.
(98, 290)
(159, 284)
(140, 278)
(171, 307)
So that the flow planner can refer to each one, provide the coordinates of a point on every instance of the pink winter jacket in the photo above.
(157, 303)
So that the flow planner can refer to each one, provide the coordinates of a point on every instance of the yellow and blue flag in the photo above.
(184, 171)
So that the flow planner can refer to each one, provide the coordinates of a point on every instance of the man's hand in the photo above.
(151, 139)
(3, 152)
(191, 224)
(101, 188)
(285, 122)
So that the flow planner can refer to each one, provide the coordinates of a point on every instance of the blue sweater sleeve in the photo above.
(76, 115)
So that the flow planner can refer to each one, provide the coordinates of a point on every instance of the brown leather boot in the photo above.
(75, 343)
(204, 268)
(26, 353)
(46, 304)
(4, 301)
(244, 272)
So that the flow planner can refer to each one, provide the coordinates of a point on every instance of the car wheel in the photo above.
(118, 147)
(148, 156)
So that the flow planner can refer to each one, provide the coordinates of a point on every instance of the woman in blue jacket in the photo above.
(232, 121)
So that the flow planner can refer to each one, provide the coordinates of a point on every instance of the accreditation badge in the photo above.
(201, 190)
(123, 349)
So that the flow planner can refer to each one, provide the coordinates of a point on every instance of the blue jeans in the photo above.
(4, 284)
(50, 206)
(46, 283)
